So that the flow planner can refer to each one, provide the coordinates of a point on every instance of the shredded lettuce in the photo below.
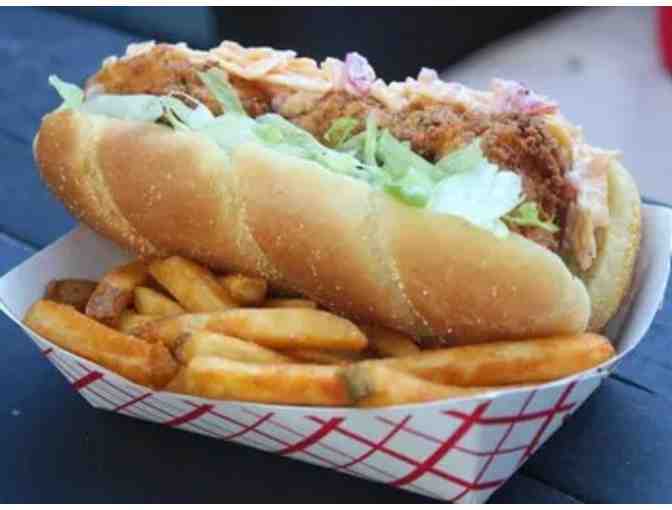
(370, 141)
(217, 83)
(268, 134)
(181, 116)
(340, 131)
(299, 142)
(397, 157)
(527, 215)
(230, 130)
(72, 95)
(354, 144)
(291, 133)
(462, 160)
(413, 188)
(142, 108)
(482, 196)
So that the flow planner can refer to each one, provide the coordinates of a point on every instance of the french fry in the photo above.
(115, 291)
(224, 379)
(245, 290)
(277, 328)
(325, 357)
(292, 328)
(388, 343)
(130, 321)
(290, 303)
(505, 363)
(194, 286)
(150, 302)
(141, 362)
(204, 344)
(71, 292)
(168, 330)
(379, 386)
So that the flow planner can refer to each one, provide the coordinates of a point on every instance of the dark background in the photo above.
(396, 40)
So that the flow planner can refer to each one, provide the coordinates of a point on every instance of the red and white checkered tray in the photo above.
(458, 450)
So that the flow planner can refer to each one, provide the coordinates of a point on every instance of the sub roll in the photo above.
(447, 213)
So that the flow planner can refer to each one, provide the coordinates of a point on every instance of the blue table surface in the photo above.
(55, 448)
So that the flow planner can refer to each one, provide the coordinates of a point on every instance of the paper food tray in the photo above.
(458, 450)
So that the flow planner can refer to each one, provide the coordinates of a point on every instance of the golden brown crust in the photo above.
(471, 286)
(318, 230)
(65, 149)
(330, 237)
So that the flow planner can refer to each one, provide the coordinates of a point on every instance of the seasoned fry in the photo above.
(281, 328)
(505, 363)
(290, 303)
(388, 343)
(204, 344)
(225, 339)
(71, 292)
(138, 361)
(224, 379)
(130, 321)
(379, 386)
(194, 286)
(150, 302)
(320, 357)
(168, 330)
(115, 291)
(245, 290)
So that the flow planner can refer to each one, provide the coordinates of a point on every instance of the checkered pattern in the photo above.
(459, 452)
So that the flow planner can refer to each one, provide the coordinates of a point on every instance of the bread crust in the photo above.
(65, 150)
(609, 278)
(335, 239)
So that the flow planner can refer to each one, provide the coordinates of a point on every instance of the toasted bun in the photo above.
(610, 276)
(332, 238)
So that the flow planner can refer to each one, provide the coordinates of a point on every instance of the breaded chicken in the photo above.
(165, 70)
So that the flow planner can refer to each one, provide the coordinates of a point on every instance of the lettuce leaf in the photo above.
(181, 116)
(397, 158)
(230, 130)
(140, 107)
(218, 85)
(268, 134)
(370, 141)
(72, 95)
(293, 140)
(413, 188)
(482, 196)
(462, 160)
(340, 131)
(527, 215)
(355, 144)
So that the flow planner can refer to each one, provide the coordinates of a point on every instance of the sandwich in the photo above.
(451, 214)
